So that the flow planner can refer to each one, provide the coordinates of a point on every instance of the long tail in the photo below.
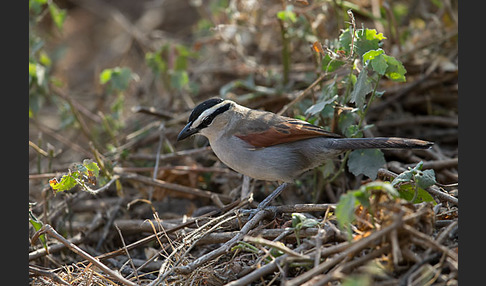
(380, 143)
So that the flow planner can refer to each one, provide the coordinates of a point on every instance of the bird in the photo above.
(271, 147)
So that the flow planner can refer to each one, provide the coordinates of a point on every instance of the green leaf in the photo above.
(37, 225)
(105, 76)
(395, 70)
(407, 176)
(366, 161)
(361, 89)
(379, 65)
(183, 54)
(309, 222)
(425, 179)
(156, 62)
(66, 183)
(319, 106)
(275, 252)
(91, 166)
(361, 280)
(372, 34)
(377, 61)
(58, 15)
(407, 192)
(404, 177)
(287, 14)
(330, 65)
(345, 40)
(300, 221)
(179, 79)
(363, 196)
(121, 78)
(297, 219)
(117, 78)
(81, 168)
(32, 69)
(345, 212)
(370, 55)
(379, 185)
(353, 131)
(44, 59)
(36, 5)
(328, 168)
(244, 246)
(346, 120)
(366, 40)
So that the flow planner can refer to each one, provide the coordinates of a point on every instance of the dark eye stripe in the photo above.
(209, 119)
(198, 110)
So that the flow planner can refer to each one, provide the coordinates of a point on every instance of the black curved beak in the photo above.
(186, 132)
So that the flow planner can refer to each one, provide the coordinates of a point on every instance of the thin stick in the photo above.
(159, 147)
(431, 243)
(38, 149)
(105, 187)
(48, 273)
(302, 93)
(301, 208)
(171, 156)
(323, 279)
(175, 187)
(153, 237)
(268, 268)
(128, 254)
(151, 169)
(353, 247)
(225, 247)
(278, 246)
(56, 135)
(191, 242)
(113, 274)
(396, 253)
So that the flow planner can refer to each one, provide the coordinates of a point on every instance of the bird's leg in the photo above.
(245, 187)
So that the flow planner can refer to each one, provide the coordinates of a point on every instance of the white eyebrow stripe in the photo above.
(206, 113)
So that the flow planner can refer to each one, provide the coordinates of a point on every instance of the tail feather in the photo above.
(380, 143)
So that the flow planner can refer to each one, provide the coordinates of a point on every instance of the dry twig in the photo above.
(113, 274)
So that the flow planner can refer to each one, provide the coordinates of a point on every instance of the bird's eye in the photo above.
(207, 121)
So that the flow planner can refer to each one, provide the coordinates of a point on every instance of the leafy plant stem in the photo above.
(372, 97)
(341, 168)
(415, 194)
(349, 85)
(100, 162)
(108, 128)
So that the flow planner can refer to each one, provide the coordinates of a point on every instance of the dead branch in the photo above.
(113, 274)
(175, 187)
